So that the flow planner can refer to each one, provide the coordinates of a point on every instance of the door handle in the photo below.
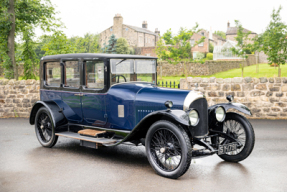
(79, 94)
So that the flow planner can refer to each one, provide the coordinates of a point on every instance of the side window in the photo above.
(72, 74)
(94, 74)
(53, 74)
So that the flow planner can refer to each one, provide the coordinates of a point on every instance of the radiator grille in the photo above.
(201, 128)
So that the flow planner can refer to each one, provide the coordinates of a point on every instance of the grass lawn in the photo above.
(264, 71)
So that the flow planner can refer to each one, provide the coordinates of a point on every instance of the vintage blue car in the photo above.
(110, 99)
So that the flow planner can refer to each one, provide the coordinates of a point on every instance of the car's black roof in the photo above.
(95, 55)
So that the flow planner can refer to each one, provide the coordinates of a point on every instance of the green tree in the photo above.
(15, 16)
(122, 46)
(112, 46)
(168, 38)
(58, 44)
(211, 47)
(29, 55)
(87, 44)
(180, 44)
(274, 42)
(221, 34)
(242, 47)
(161, 50)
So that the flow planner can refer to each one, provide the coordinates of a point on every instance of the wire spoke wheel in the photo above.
(166, 150)
(44, 127)
(236, 130)
(239, 128)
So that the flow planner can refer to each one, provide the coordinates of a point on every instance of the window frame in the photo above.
(74, 89)
(110, 71)
(84, 76)
(45, 85)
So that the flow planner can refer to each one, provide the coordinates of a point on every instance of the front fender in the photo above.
(58, 117)
(140, 130)
(238, 106)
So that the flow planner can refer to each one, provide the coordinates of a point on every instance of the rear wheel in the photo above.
(239, 128)
(168, 149)
(44, 128)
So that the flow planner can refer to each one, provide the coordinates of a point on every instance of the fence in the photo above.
(168, 84)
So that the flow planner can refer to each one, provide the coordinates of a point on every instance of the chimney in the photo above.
(210, 34)
(118, 25)
(228, 24)
(144, 25)
(157, 31)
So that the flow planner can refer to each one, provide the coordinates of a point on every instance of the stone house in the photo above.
(231, 33)
(203, 47)
(137, 37)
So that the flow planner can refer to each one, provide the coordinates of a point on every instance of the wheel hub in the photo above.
(162, 150)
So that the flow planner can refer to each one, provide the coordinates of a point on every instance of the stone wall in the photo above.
(17, 97)
(265, 97)
(198, 69)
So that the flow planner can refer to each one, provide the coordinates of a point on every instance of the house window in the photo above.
(127, 29)
(202, 33)
(111, 29)
(200, 44)
(192, 42)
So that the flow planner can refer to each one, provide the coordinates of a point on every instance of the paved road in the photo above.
(26, 166)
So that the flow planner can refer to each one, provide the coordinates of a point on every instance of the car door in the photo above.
(72, 94)
(94, 93)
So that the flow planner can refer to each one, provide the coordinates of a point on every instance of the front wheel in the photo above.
(44, 128)
(168, 149)
(239, 128)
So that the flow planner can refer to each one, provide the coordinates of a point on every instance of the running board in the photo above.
(86, 141)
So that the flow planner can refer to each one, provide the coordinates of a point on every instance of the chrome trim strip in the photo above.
(101, 128)
(191, 97)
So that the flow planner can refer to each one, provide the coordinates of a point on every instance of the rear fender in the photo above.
(58, 117)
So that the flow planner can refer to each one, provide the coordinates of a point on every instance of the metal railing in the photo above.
(169, 84)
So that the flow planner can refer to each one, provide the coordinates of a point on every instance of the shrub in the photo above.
(199, 56)
(209, 56)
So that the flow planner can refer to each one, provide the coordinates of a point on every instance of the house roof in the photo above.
(142, 30)
(233, 31)
(219, 37)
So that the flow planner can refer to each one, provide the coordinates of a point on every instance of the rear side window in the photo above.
(53, 74)
(94, 71)
(72, 74)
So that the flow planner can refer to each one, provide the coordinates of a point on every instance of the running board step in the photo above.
(92, 133)
(103, 141)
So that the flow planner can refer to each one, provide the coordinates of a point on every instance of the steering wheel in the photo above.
(119, 78)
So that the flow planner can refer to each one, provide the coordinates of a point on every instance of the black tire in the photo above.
(168, 149)
(247, 130)
(44, 128)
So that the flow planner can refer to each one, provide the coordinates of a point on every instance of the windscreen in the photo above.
(127, 70)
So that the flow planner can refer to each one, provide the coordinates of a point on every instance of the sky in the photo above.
(94, 16)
